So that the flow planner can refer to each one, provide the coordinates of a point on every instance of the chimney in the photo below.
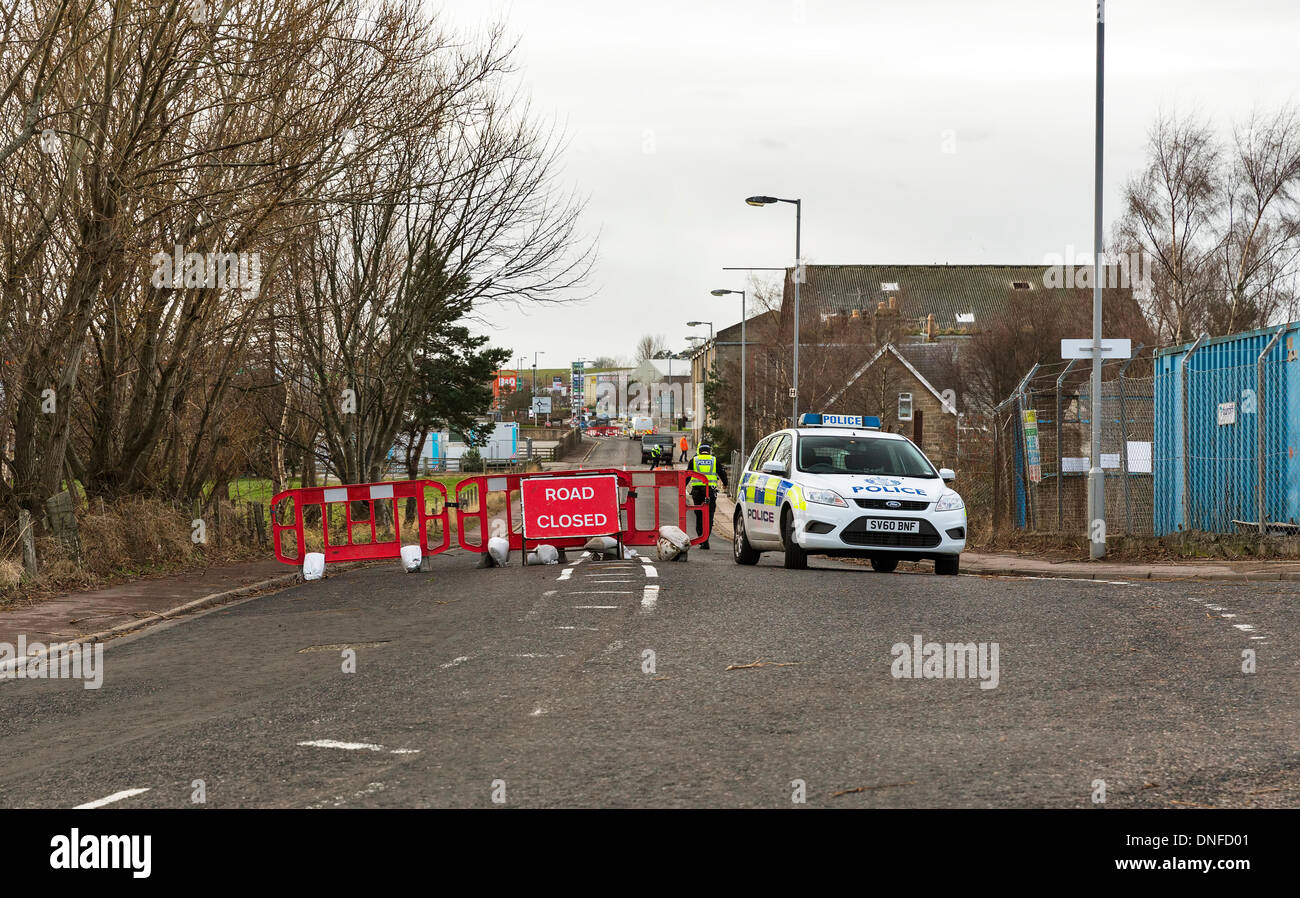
(893, 303)
(929, 328)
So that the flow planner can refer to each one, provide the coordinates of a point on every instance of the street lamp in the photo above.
(798, 276)
(698, 323)
(534, 395)
(743, 397)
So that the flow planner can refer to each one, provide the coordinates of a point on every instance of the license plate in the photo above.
(891, 525)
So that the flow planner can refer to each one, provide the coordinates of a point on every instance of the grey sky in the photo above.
(676, 111)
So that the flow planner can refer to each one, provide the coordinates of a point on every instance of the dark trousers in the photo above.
(697, 497)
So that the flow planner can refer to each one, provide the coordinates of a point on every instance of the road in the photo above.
(533, 686)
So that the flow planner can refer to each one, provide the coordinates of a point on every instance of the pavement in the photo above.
(639, 683)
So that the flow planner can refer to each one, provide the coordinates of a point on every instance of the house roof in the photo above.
(911, 368)
(979, 294)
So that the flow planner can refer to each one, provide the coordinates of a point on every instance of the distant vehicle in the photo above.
(640, 426)
(657, 439)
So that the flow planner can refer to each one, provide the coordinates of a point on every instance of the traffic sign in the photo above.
(1110, 349)
(557, 507)
(541, 405)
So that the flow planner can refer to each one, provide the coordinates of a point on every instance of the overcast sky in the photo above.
(926, 131)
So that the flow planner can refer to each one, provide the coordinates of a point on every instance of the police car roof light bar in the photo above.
(814, 419)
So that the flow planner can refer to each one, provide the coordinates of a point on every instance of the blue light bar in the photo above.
(813, 419)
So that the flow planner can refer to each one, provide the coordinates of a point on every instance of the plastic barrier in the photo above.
(383, 504)
(642, 507)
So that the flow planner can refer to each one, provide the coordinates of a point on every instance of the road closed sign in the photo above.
(555, 507)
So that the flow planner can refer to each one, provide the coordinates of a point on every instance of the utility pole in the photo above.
(1096, 476)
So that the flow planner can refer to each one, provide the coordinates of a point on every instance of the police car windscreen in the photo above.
(862, 455)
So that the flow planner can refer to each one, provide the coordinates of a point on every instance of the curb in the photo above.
(1147, 574)
(216, 598)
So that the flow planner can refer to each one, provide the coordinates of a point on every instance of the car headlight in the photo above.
(825, 497)
(949, 501)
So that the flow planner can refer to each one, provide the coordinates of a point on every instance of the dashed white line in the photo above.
(116, 796)
(601, 592)
(595, 606)
(650, 571)
(649, 596)
(565, 574)
(454, 662)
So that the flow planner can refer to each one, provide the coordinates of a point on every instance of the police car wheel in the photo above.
(741, 550)
(947, 565)
(885, 564)
(796, 559)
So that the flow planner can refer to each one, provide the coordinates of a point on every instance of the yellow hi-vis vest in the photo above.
(708, 466)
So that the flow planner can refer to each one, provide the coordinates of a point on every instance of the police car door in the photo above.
(765, 519)
(752, 478)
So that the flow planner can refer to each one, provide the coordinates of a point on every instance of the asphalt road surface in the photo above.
(607, 684)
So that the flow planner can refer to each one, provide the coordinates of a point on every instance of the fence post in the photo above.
(1261, 497)
(28, 541)
(1060, 453)
(1123, 439)
(1024, 448)
(1187, 440)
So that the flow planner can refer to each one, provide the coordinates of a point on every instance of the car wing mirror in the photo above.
(947, 474)
(773, 467)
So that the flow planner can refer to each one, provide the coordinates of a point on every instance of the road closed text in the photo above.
(570, 506)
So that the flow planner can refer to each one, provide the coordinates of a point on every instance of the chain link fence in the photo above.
(1039, 446)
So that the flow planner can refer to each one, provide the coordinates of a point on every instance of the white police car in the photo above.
(835, 485)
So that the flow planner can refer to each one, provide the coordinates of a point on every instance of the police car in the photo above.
(836, 485)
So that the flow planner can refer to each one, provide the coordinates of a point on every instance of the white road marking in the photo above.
(346, 746)
(601, 592)
(593, 629)
(537, 712)
(595, 606)
(357, 746)
(649, 596)
(650, 571)
(116, 796)
(549, 593)
(1227, 615)
(1245, 628)
(1082, 580)
(565, 574)
(454, 662)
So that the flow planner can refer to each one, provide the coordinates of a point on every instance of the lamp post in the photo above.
(534, 391)
(1096, 476)
(698, 323)
(744, 400)
(798, 276)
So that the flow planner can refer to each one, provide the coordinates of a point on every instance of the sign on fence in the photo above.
(557, 507)
(1033, 458)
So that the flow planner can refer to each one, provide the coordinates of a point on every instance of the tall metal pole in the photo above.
(798, 276)
(744, 399)
(1096, 477)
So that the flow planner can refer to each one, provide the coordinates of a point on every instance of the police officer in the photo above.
(704, 463)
